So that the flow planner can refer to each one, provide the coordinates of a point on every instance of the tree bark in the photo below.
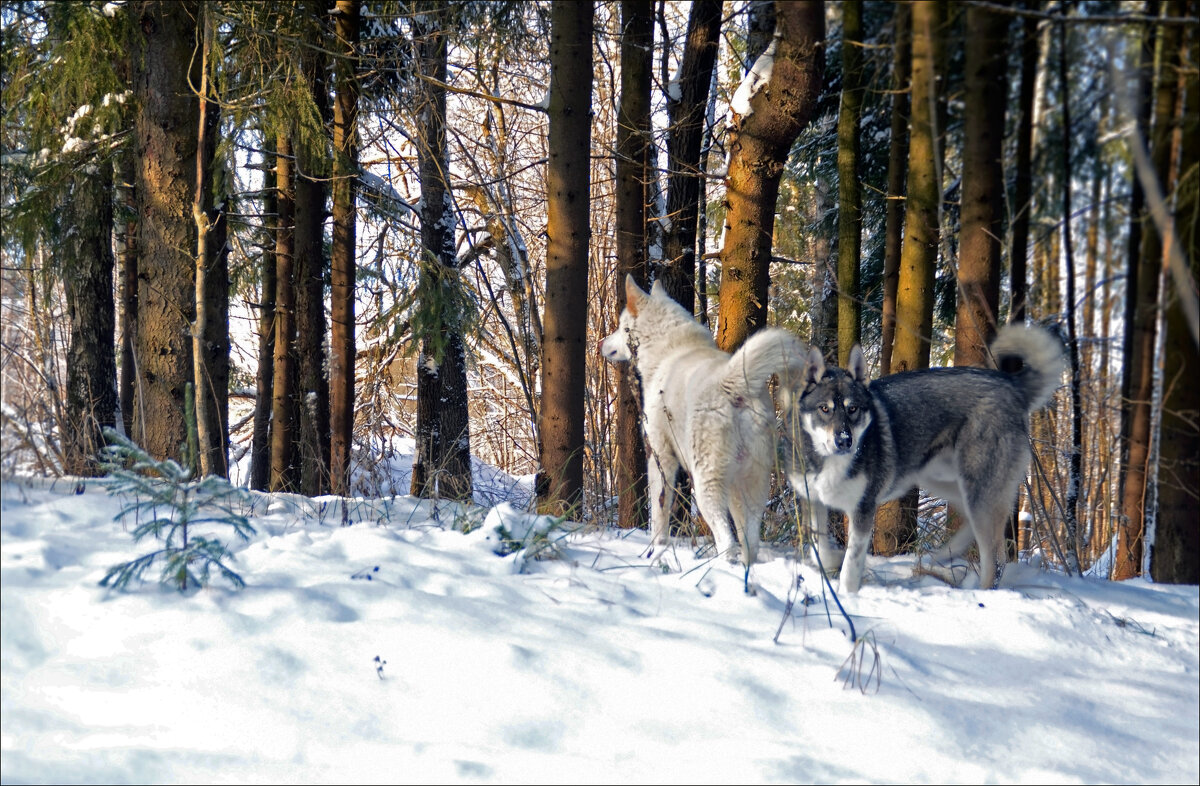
(897, 170)
(345, 167)
(1176, 554)
(982, 187)
(165, 130)
(284, 414)
(442, 464)
(634, 172)
(1023, 172)
(88, 283)
(1141, 316)
(914, 296)
(568, 186)
(260, 448)
(849, 303)
(759, 144)
(684, 135)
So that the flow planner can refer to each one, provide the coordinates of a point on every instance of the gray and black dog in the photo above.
(962, 434)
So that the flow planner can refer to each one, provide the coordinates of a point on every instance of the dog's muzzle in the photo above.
(843, 441)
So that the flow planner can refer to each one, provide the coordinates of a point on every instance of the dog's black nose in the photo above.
(842, 441)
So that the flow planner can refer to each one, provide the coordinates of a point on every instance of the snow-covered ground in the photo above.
(399, 649)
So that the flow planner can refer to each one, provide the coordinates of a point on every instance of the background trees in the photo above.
(371, 231)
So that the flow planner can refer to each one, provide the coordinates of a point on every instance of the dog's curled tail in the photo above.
(769, 351)
(1034, 357)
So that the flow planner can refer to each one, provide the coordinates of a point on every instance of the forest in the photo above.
(283, 241)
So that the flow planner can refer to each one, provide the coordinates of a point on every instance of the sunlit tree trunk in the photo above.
(284, 475)
(982, 187)
(759, 144)
(633, 176)
(1141, 317)
(849, 191)
(165, 137)
(686, 130)
(568, 185)
(897, 170)
(442, 464)
(1176, 554)
(342, 256)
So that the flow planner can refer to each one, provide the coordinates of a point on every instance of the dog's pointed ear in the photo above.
(633, 294)
(814, 369)
(658, 290)
(857, 365)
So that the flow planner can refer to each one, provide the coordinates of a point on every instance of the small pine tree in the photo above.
(169, 503)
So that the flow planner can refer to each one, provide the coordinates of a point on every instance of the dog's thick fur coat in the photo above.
(706, 411)
(962, 434)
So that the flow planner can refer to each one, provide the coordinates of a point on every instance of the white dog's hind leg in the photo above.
(660, 478)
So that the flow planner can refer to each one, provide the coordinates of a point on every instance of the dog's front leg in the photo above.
(829, 556)
(858, 539)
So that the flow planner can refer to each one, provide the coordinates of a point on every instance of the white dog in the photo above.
(707, 411)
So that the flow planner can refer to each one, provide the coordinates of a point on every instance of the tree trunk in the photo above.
(165, 132)
(345, 166)
(442, 464)
(896, 522)
(1176, 553)
(568, 186)
(634, 171)
(127, 265)
(760, 140)
(849, 303)
(1075, 462)
(914, 295)
(982, 187)
(88, 283)
(284, 474)
(210, 331)
(1141, 316)
(684, 135)
(1023, 175)
(312, 172)
(897, 170)
(260, 449)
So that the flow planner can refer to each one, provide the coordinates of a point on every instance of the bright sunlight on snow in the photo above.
(398, 649)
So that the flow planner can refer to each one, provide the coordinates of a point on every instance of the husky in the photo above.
(706, 411)
(962, 434)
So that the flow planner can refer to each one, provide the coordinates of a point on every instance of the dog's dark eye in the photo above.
(825, 409)
(851, 409)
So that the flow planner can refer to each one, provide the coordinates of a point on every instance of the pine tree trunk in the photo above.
(896, 522)
(568, 185)
(284, 471)
(88, 283)
(914, 295)
(210, 331)
(1141, 315)
(759, 144)
(442, 464)
(684, 135)
(260, 450)
(127, 255)
(849, 303)
(897, 171)
(1176, 554)
(982, 187)
(345, 166)
(1075, 458)
(312, 172)
(1023, 175)
(165, 131)
(633, 175)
